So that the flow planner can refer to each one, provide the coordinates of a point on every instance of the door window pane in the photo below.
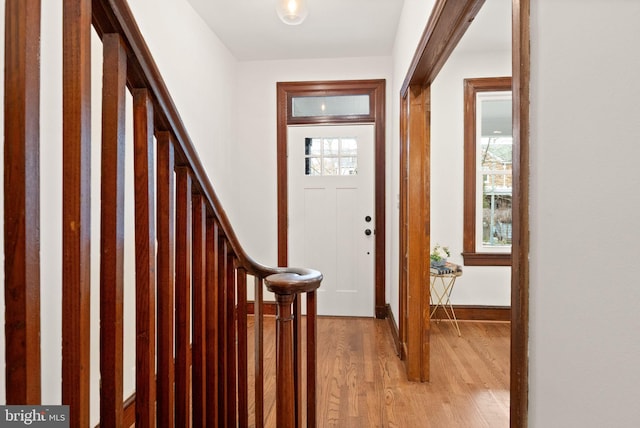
(331, 147)
(348, 166)
(331, 156)
(349, 146)
(312, 147)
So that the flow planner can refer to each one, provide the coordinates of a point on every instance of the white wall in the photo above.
(585, 146)
(479, 285)
(200, 73)
(413, 20)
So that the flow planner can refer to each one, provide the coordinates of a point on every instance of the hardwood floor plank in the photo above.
(363, 383)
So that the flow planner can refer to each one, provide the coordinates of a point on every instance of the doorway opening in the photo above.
(288, 115)
(447, 24)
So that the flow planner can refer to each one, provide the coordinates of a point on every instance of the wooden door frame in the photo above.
(376, 91)
(447, 23)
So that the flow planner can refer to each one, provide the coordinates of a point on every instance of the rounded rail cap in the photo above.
(293, 281)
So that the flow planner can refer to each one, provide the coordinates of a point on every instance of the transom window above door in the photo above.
(330, 156)
(335, 105)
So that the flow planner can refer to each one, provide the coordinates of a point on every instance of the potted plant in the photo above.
(439, 255)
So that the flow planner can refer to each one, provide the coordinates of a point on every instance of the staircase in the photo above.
(192, 276)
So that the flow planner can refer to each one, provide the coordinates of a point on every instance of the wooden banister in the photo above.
(288, 287)
(192, 275)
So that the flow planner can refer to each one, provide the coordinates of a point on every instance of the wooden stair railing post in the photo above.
(145, 260)
(288, 287)
(285, 391)
(223, 359)
(312, 340)
(198, 358)
(166, 280)
(297, 359)
(76, 210)
(243, 370)
(232, 366)
(112, 231)
(22, 201)
(258, 353)
(183, 296)
(213, 328)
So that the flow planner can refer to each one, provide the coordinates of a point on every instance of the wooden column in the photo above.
(166, 278)
(112, 231)
(76, 209)
(145, 259)
(417, 239)
(22, 201)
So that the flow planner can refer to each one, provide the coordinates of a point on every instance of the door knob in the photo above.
(367, 232)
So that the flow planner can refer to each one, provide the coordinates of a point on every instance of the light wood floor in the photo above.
(362, 382)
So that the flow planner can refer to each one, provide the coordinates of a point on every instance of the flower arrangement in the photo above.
(439, 255)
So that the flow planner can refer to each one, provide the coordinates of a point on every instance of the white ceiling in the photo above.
(251, 29)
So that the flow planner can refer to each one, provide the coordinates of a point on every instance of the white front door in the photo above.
(331, 208)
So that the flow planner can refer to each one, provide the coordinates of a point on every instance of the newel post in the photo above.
(286, 286)
(285, 396)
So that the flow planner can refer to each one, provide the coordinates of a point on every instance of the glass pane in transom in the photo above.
(338, 105)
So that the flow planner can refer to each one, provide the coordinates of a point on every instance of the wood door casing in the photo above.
(376, 89)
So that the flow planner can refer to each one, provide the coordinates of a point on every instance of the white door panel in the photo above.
(327, 221)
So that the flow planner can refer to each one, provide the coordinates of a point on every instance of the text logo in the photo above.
(34, 416)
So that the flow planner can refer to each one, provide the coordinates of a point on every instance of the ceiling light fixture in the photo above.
(292, 12)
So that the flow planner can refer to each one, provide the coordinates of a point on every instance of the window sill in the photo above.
(487, 259)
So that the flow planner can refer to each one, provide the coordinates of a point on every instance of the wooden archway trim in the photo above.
(448, 22)
(446, 26)
(376, 90)
(521, 69)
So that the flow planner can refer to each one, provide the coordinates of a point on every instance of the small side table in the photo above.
(442, 282)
